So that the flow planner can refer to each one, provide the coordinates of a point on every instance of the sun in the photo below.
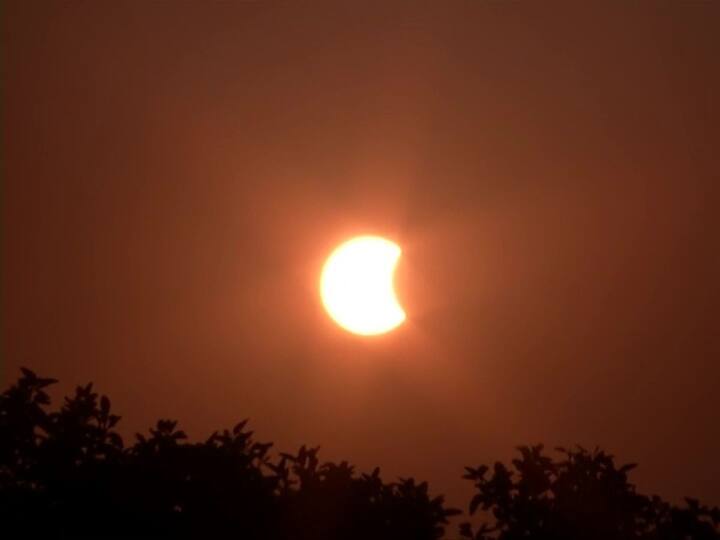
(356, 286)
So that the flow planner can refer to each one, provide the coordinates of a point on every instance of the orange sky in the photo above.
(175, 174)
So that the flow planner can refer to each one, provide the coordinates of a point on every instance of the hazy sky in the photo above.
(174, 174)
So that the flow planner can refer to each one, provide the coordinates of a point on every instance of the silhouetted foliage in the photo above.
(68, 474)
(582, 495)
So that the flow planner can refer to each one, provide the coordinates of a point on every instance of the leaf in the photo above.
(466, 530)
(42, 383)
(474, 503)
(115, 440)
(475, 474)
(239, 426)
(104, 406)
(29, 374)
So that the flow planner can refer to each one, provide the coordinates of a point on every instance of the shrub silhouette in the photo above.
(68, 474)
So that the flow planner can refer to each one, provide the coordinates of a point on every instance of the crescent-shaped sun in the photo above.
(356, 286)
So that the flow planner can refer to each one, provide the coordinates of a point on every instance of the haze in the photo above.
(174, 177)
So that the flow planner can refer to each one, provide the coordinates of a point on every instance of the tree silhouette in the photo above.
(68, 474)
(582, 495)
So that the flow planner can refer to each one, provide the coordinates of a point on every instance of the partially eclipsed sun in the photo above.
(356, 286)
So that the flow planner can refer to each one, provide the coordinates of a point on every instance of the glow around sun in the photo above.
(356, 286)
